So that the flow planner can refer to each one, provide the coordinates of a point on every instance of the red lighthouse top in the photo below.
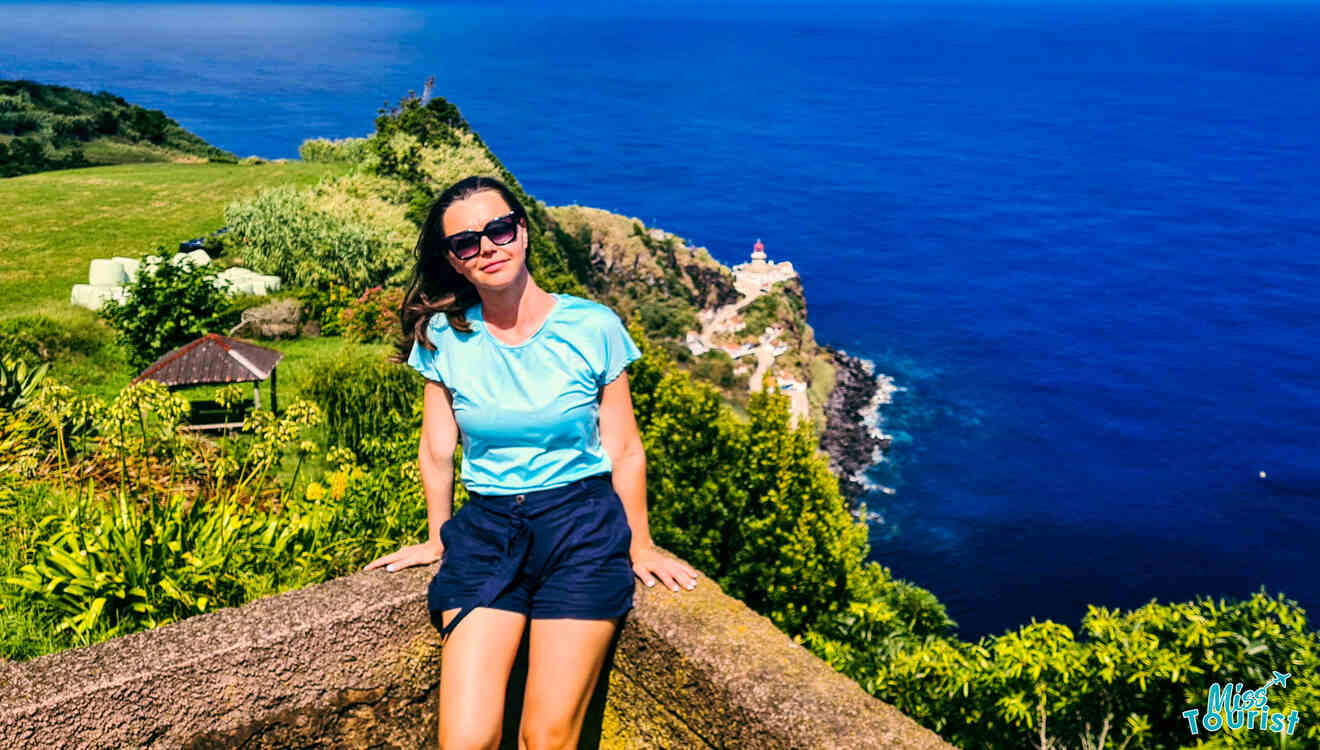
(758, 247)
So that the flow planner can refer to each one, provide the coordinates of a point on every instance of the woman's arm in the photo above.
(435, 461)
(435, 455)
(623, 444)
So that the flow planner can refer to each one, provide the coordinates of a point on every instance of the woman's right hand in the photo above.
(414, 554)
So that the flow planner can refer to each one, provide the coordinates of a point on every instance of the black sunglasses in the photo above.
(500, 230)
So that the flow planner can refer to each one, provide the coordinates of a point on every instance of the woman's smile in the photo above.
(494, 266)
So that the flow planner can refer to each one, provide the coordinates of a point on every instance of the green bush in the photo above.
(341, 151)
(715, 366)
(368, 403)
(374, 316)
(43, 338)
(158, 550)
(280, 232)
(760, 314)
(752, 505)
(1134, 672)
(20, 122)
(668, 318)
(169, 304)
(132, 568)
(325, 305)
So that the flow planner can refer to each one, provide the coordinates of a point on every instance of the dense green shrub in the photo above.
(280, 232)
(368, 402)
(751, 504)
(668, 318)
(156, 552)
(130, 568)
(760, 314)
(43, 338)
(27, 155)
(169, 304)
(374, 316)
(325, 305)
(715, 366)
(76, 127)
(340, 151)
(20, 122)
(1134, 672)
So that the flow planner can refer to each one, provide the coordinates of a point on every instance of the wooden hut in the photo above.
(212, 360)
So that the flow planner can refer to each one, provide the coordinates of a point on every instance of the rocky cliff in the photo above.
(673, 287)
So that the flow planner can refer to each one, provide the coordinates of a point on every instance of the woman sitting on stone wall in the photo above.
(556, 527)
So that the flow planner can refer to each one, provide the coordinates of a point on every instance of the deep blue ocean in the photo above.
(1083, 238)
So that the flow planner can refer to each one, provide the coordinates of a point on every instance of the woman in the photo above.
(556, 527)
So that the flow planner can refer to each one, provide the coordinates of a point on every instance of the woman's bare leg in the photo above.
(474, 674)
(564, 660)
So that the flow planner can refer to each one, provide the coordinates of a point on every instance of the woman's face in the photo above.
(496, 266)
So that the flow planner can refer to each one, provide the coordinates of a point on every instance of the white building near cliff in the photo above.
(757, 274)
(695, 344)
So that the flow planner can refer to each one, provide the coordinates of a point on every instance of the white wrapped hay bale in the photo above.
(150, 263)
(194, 258)
(106, 272)
(93, 297)
(131, 266)
(272, 283)
(235, 280)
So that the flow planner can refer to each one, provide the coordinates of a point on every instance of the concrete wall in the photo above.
(355, 663)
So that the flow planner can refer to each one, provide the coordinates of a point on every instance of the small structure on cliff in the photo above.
(214, 359)
(759, 273)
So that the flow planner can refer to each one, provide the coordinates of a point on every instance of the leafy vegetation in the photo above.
(282, 232)
(760, 314)
(340, 151)
(1130, 675)
(54, 127)
(366, 401)
(169, 304)
(17, 382)
(374, 316)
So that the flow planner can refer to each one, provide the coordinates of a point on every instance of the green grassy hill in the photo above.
(56, 222)
(55, 127)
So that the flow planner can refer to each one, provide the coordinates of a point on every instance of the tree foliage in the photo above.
(51, 123)
(169, 304)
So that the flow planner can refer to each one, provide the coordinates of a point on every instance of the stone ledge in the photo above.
(355, 662)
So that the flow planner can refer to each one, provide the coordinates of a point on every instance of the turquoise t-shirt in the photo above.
(528, 413)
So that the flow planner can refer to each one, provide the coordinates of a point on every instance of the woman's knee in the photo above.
(546, 735)
(467, 738)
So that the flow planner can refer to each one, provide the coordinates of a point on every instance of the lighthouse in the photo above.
(756, 275)
(758, 255)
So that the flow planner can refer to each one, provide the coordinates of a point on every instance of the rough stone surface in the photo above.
(279, 319)
(355, 663)
(740, 682)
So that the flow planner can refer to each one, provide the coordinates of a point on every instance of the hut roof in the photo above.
(213, 359)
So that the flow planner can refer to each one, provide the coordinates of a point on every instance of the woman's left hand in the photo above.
(651, 565)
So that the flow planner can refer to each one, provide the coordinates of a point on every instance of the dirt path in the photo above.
(722, 321)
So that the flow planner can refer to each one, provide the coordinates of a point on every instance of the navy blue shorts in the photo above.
(561, 552)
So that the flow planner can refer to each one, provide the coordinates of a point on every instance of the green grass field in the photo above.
(55, 223)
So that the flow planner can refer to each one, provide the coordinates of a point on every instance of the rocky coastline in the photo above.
(852, 437)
